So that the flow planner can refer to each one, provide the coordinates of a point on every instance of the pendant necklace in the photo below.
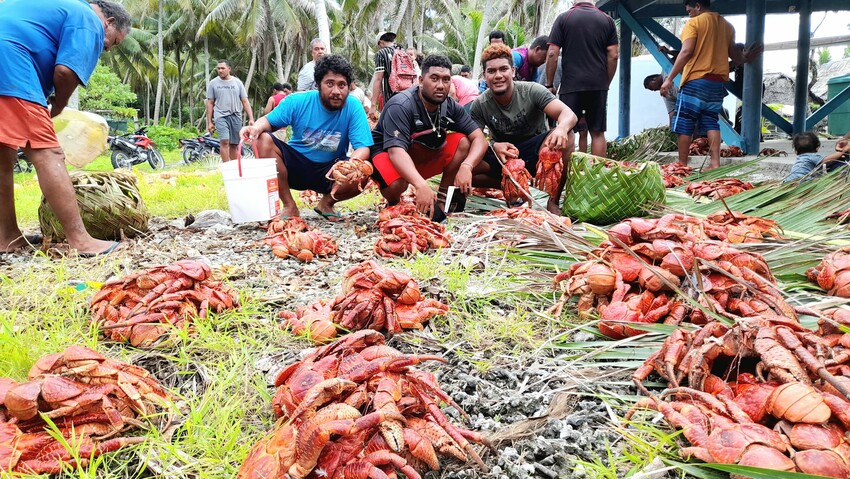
(435, 124)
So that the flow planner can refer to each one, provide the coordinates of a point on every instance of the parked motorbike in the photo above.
(134, 149)
(22, 163)
(194, 149)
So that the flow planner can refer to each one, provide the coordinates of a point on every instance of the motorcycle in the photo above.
(22, 163)
(134, 149)
(194, 149)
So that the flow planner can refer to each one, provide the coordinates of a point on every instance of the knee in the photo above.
(463, 147)
(265, 145)
(49, 156)
(393, 192)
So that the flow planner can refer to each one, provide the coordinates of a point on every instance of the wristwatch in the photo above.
(549, 86)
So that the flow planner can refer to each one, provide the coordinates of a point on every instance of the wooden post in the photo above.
(625, 78)
(753, 72)
(801, 85)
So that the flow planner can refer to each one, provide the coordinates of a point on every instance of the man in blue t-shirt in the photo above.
(48, 48)
(323, 122)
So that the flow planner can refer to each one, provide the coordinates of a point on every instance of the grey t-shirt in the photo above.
(306, 80)
(672, 95)
(227, 95)
(522, 119)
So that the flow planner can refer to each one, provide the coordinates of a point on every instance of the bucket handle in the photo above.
(239, 154)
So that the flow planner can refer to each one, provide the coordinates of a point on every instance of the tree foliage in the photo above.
(105, 91)
(824, 56)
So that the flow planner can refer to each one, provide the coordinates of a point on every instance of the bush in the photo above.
(105, 91)
(166, 137)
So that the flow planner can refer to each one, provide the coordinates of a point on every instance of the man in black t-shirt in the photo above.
(381, 91)
(586, 39)
(413, 143)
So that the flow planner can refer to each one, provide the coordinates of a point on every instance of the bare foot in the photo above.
(326, 210)
(93, 246)
(290, 211)
(711, 166)
(553, 208)
(13, 244)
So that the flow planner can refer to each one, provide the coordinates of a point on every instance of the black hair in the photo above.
(117, 12)
(540, 42)
(334, 64)
(465, 68)
(806, 142)
(225, 62)
(693, 3)
(286, 86)
(650, 78)
(278, 86)
(435, 61)
(496, 34)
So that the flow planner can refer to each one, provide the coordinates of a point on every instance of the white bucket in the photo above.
(251, 187)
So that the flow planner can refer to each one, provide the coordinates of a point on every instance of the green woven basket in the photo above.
(110, 205)
(602, 191)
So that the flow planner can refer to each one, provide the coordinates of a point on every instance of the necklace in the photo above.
(435, 122)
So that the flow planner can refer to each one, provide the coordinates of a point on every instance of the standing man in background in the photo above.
(305, 75)
(381, 92)
(226, 98)
(708, 41)
(586, 40)
(48, 49)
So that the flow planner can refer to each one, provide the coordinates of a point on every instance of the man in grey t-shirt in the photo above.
(305, 75)
(515, 112)
(653, 83)
(226, 97)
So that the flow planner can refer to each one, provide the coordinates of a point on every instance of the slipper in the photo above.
(104, 252)
(34, 239)
(328, 215)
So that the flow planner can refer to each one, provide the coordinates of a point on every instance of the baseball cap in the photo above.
(386, 36)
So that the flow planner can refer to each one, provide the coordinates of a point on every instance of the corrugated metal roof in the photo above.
(675, 8)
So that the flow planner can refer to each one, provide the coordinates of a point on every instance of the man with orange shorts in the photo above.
(44, 50)
(413, 143)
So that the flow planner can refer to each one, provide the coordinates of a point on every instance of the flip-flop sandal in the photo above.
(104, 252)
(34, 239)
(328, 215)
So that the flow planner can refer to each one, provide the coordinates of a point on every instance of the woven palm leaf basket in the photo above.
(110, 205)
(602, 191)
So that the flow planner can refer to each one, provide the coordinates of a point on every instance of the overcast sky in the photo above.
(783, 28)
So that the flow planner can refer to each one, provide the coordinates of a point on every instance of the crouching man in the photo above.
(413, 143)
(323, 122)
(515, 112)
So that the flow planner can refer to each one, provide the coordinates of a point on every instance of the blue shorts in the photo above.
(699, 105)
(303, 174)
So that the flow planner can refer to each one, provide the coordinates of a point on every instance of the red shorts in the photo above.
(428, 162)
(25, 124)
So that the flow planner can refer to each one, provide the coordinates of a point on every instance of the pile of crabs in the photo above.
(748, 384)
(90, 401)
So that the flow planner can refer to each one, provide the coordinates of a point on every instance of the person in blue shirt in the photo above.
(47, 49)
(324, 122)
(806, 146)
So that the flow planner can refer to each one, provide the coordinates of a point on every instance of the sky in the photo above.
(783, 28)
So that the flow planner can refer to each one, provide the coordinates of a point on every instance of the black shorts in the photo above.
(590, 105)
(303, 174)
(529, 151)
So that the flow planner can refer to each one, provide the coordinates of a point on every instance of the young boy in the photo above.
(806, 146)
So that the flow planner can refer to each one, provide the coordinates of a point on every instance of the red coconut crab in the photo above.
(772, 152)
(515, 182)
(525, 216)
(550, 167)
(357, 408)
(293, 237)
(350, 173)
(833, 273)
(736, 227)
(699, 147)
(141, 307)
(88, 397)
(716, 189)
(732, 151)
(489, 193)
(404, 232)
(372, 297)
(310, 197)
(674, 174)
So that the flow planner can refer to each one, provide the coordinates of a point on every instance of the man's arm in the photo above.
(613, 55)
(65, 82)
(377, 89)
(477, 149)
(210, 105)
(252, 132)
(247, 106)
(552, 65)
(362, 153)
(562, 135)
(685, 54)
(269, 106)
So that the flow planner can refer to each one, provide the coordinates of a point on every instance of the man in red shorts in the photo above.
(413, 143)
(48, 49)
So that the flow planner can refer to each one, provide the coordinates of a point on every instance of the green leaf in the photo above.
(757, 472)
